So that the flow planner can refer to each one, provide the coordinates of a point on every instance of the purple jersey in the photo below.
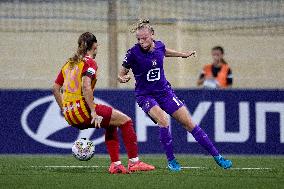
(147, 68)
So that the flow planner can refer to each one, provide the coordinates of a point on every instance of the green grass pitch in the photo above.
(48, 171)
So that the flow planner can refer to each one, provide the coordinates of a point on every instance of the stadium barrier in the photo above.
(238, 121)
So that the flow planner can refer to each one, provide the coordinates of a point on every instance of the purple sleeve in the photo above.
(128, 60)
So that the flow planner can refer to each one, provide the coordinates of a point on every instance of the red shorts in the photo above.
(101, 110)
(105, 112)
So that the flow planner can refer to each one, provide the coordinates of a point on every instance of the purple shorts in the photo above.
(167, 100)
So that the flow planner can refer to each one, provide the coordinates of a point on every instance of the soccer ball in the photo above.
(83, 149)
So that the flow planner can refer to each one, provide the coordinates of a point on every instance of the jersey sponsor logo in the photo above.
(71, 107)
(91, 71)
(52, 122)
(154, 74)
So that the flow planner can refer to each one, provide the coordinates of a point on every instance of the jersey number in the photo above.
(154, 74)
(176, 101)
(72, 79)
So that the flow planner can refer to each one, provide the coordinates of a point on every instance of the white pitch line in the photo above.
(233, 168)
(194, 167)
(251, 168)
(69, 166)
(96, 166)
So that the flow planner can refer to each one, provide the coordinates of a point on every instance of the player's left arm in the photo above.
(56, 89)
(123, 76)
(174, 53)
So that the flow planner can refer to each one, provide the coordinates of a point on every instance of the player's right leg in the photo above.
(150, 106)
(166, 139)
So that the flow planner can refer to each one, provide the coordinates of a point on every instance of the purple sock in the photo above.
(167, 142)
(202, 138)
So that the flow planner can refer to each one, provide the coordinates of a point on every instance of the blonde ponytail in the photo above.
(142, 23)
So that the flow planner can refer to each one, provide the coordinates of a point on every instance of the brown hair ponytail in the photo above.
(85, 43)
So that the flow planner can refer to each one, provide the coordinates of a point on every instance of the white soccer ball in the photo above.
(83, 149)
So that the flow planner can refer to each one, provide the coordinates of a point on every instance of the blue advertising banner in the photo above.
(238, 121)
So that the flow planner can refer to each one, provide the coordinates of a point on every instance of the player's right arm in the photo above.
(123, 76)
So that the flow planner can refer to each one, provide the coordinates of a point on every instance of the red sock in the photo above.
(112, 143)
(129, 139)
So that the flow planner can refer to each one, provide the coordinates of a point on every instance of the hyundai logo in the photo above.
(52, 122)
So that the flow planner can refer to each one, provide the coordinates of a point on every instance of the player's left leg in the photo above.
(129, 137)
(182, 116)
(174, 107)
(114, 118)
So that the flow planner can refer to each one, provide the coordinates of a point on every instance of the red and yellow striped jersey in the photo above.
(76, 111)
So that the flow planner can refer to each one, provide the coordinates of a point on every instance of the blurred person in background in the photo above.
(217, 74)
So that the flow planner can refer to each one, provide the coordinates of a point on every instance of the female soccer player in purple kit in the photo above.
(155, 95)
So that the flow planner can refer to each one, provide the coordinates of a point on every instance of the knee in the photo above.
(163, 121)
(189, 125)
(125, 119)
(118, 118)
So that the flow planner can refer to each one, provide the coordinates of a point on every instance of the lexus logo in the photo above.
(52, 122)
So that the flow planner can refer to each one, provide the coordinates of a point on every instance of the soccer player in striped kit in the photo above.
(155, 95)
(77, 79)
